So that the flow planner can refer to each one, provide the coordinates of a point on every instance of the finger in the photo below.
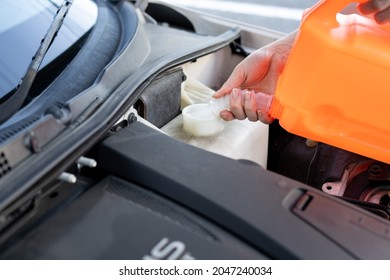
(222, 92)
(236, 105)
(250, 106)
(264, 117)
(226, 115)
(373, 6)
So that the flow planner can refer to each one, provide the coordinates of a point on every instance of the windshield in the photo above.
(19, 42)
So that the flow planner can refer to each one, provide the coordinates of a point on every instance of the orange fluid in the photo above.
(335, 87)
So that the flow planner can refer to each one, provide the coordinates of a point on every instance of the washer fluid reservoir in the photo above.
(243, 140)
(334, 87)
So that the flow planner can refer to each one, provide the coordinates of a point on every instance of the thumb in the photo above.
(225, 89)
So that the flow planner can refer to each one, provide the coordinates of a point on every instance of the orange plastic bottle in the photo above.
(335, 87)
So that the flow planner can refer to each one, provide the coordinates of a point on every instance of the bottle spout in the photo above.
(264, 104)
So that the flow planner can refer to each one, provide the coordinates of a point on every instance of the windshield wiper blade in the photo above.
(13, 103)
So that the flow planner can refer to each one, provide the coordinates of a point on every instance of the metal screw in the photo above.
(375, 170)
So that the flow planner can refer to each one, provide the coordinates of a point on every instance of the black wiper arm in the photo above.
(13, 103)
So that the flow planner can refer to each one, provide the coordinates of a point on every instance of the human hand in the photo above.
(379, 8)
(258, 72)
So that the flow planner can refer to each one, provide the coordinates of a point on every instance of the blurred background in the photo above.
(280, 15)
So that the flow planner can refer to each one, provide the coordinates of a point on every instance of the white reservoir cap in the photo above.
(198, 120)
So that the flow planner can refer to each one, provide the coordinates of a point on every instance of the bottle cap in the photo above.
(199, 120)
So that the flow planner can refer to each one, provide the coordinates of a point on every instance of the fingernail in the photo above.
(248, 95)
(223, 114)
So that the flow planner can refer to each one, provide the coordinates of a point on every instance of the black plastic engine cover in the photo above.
(264, 209)
(116, 219)
(166, 199)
